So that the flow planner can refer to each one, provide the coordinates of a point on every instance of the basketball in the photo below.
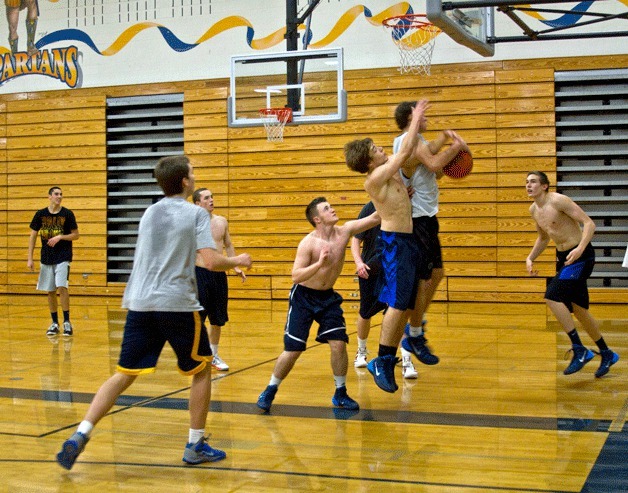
(460, 166)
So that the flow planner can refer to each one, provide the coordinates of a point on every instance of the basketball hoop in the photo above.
(414, 35)
(275, 120)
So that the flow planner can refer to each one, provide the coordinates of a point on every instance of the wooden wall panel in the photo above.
(504, 109)
(57, 142)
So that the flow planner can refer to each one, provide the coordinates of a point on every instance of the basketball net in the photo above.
(415, 39)
(275, 120)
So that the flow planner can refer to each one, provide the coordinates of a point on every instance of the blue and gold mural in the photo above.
(63, 53)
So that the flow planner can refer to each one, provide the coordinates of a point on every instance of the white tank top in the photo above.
(425, 198)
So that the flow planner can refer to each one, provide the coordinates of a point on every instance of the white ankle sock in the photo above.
(195, 435)
(416, 331)
(340, 381)
(85, 427)
(275, 381)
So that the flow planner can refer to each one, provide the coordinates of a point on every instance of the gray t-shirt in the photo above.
(163, 277)
(425, 198)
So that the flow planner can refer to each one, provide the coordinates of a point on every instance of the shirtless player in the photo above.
(318, 263)
(399, 249)
(558, 218)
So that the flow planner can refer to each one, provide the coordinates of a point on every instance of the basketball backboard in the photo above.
(308, 81)
(469, 24)
(472, 22)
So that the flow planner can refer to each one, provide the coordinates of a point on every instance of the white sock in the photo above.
(362, 344)
(85, 428)
(416, 331)
(340, 381)
(195, 435)
(214, 348)
(275, 381)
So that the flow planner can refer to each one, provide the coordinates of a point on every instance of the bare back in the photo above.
(557, 216)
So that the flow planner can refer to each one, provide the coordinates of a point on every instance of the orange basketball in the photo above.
(460, 166)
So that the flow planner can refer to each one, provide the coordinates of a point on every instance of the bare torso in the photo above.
(219, 227)
(393, 205)
(564, 231)
(313, 243)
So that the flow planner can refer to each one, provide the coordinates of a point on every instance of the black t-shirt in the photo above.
(50, 225)
(368, 237)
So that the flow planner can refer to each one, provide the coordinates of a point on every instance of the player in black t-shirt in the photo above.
(57, 228)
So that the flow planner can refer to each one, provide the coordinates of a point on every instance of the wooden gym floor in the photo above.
(495, 416)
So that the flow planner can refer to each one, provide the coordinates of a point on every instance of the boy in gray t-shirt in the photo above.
(163, 307)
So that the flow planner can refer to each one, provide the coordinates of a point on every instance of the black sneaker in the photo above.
(581, 356)
(342, 399)
(418, 347)
(267, 397)
(609, 358)
(53, 330)
(67, 329)
(383, 370)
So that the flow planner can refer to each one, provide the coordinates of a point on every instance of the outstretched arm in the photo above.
(218, 262)
(358, 225)
(385, 172)
(436, 161)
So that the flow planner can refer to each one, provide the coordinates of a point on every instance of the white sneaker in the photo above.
(53, 330)
(67, 329)
(407, 370)
(219, 364)
(360, 358)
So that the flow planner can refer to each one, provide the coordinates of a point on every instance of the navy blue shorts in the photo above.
(213, 294)
(400, 258)
(146, 333)
(570, 283)
(308, 305)
(425, 230)
(370, 289)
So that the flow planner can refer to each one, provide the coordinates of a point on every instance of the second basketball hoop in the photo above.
(414, 36)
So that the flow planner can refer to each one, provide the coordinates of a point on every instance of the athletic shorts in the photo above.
(570, 283)
(146, 333)
(213, 294)
(308, 305)
(399, 254)
(53, 276)
(425, 230)
(370, 289)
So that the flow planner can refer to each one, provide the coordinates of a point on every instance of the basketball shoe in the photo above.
(196, 453)
(418, 346)
(71, 449)
(342, 399)
(267, 397)
(67, 329)
(407, 369)
(219, 364)
(609, 358)
(360, 358)
(581, 356)
(383, 370)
